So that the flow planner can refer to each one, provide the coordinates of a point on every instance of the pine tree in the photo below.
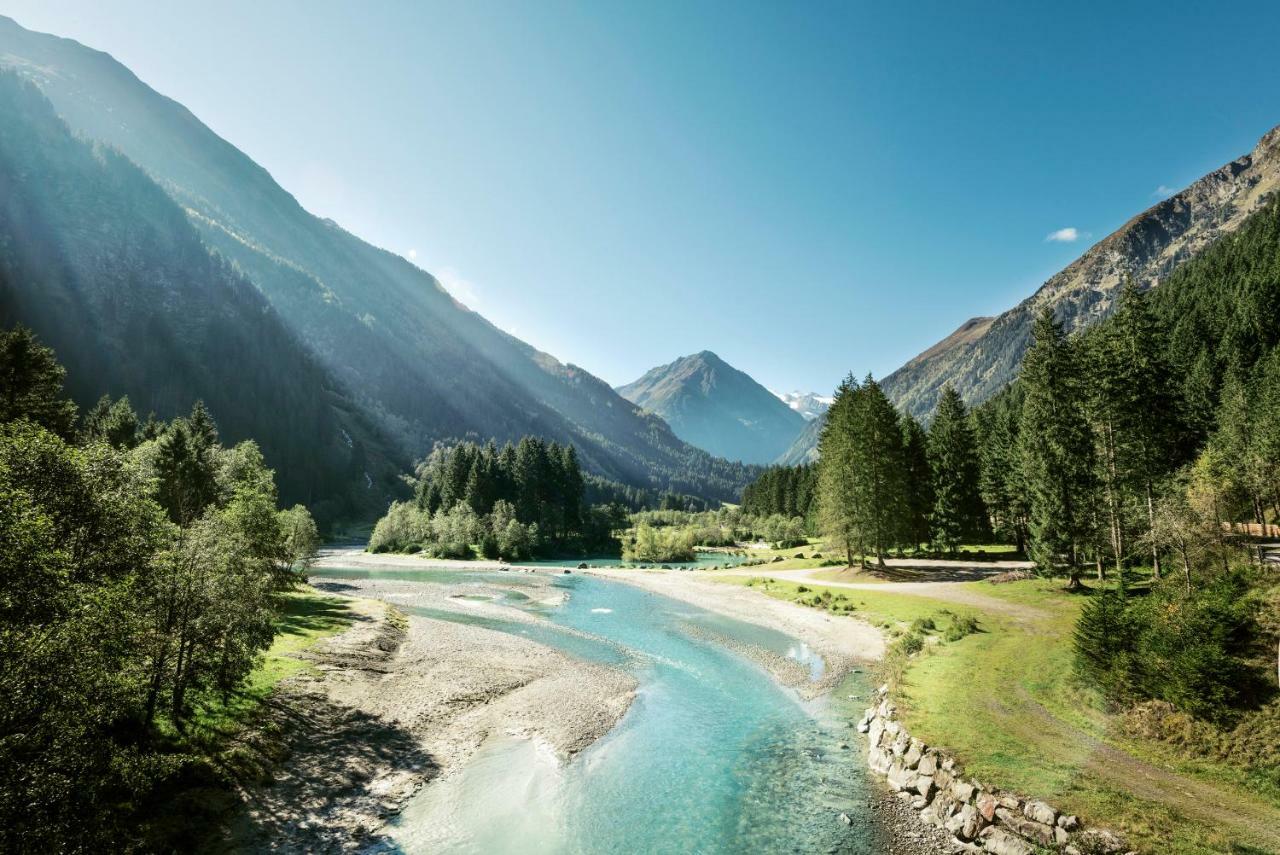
(837, 492)
(879, 468)
(1136, 415)
(919, 482)
(1056, 450)
(31, 384)
(958, 513)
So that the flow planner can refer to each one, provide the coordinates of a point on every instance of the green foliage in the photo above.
(861, 485)
(119, 612)
(1189, 648)
(922, 625)
(919, 483)
(958, 515)
(960, 627)
(1056, 450)
(31, 379)
(647, 543)
(514, 503)
(784, 490)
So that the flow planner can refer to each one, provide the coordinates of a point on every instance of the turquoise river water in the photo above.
(713, 757)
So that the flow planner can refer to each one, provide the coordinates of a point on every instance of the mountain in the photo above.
(808, 404)
(714, 406)
(423, 366)
(109, 271)
(804, 448)
(983, 356)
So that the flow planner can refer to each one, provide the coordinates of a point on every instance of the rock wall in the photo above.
(981, 817)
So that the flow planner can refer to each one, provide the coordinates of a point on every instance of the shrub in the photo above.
(1189, 649)
(961, 625)
(922, 625)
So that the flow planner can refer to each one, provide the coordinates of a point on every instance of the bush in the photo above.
(922, 625)
(1189, 649)
(961, 625)
(911, 643)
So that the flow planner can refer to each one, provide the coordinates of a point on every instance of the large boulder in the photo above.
(962, 790)
(986, 805)
(1001, 842)
(1025, 826)
(965, 823)
(1040, 812)
(915, 750)
(899, 776)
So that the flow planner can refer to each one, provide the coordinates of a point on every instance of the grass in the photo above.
(886, 610)
(1004, 701)
(307, 617)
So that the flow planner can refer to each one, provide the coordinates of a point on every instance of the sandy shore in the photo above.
(837, 638)
(396, 702)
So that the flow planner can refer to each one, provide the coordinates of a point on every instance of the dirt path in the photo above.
(1253, 821)
(955, 593)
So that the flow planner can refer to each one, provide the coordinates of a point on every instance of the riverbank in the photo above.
(843, 643)
(398, 701)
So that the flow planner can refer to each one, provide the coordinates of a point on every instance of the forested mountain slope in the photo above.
(1147, 249)
(424, 365)
(714, 406)
(109, 271)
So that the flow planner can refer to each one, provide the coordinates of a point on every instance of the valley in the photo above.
(306, 547)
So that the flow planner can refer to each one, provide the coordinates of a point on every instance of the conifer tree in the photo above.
(919, 482)
(879, 468)
(1056, 450)
(31, 383)
(953, 460)
(838, 496)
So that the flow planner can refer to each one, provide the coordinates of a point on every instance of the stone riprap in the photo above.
(981, 817)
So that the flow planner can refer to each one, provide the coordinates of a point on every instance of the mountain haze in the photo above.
(714, 406)
(982, 356)
(422, 365)
(109, 271)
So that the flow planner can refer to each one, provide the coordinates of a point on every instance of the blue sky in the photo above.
(807, 189)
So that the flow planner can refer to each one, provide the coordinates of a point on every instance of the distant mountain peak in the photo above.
(811, 405)
(710, 404)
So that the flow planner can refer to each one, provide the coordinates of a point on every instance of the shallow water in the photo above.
(713, 757)
(701, 561)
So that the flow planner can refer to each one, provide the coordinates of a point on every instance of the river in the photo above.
(713, 757)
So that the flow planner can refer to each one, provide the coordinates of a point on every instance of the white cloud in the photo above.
(413, 255)
(1164, 192)
(460, 288)
(1067, 235)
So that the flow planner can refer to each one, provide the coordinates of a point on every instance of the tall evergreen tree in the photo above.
(838, 495)
(31, 383)
(1137, 416)
(919, 482)
(1056, 448)
(958, 513)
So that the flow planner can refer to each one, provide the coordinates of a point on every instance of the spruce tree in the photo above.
(838, 496)
(1056, 450)
(919, 482)
(879, 470)
(958, 513)
(31, 384)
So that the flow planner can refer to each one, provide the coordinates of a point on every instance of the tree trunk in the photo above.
(1151, 527)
